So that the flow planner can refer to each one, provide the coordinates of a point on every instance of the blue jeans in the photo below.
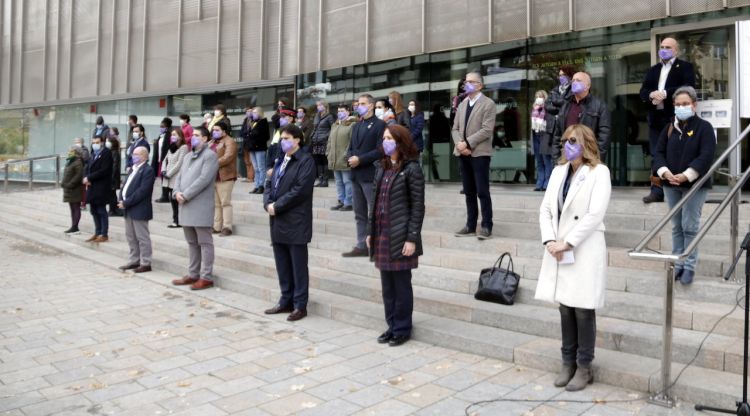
(544, 163)
(259, 165)
(685, 223)
(344, 186)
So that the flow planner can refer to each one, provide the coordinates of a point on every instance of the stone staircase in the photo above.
(628, 329)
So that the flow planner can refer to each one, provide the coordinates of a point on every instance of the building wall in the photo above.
(57, 51)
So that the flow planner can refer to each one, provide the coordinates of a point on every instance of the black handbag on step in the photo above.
(498, 284)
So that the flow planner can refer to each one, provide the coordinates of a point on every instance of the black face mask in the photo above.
(173, 147)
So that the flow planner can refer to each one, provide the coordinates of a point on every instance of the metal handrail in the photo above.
(663, 397)
(30, 160)
(636, 252)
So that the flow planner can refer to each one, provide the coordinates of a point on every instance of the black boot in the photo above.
(164, 197)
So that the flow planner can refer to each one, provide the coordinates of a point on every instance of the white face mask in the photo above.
(136, 136)
(379, 112)
(217, 113)
(539, 101)
(108, 145)
(412, 109)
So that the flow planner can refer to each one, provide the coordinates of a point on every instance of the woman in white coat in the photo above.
(574, 266)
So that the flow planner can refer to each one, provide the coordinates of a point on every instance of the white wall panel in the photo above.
(52, 49)
(32, 76)
(191, 10)
(272, 42)
(252, 21)
(395, 29)
(549, 16)
(107, 31)
(65, 57)
(209, 9)
(599, 13)
(199, 53)
(16, 52)
(121, 49)
(509, 20)
(135, 65)
(289, 39)
(309, 45)
(694, 6)
(5, 55)
(161, 45)
(84, 69)
(343, 34)
(455, 24)
(230, 42)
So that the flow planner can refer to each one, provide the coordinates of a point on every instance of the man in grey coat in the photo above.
(194, 191)
(472, 133)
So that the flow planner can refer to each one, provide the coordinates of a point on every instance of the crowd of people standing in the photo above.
(372, 149)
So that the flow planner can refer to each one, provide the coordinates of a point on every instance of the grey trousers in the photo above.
(201, 248)
(361, 199)
(139, 241)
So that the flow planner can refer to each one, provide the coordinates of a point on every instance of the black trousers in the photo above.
(578, 335)
(655, 126)
(398, 300)
(321, 166)
(175, 207)
(475, 175)
(294, 278)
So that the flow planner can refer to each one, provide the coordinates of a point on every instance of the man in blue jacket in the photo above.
(364, 150)
(135, 199)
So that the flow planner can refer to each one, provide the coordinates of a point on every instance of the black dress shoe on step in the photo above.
(385, 337)
(356, 252)
(296, 315)
(278, 309)
(397, 340)
(652, 198)
(465, 232)
(337, 207)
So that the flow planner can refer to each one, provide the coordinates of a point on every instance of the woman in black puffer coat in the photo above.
(394, 235)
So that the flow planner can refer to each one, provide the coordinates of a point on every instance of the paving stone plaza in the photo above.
(77, 338)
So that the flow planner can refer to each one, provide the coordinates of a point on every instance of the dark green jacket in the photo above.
(72, 182)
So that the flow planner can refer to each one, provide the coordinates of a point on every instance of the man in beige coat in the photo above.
(472, 133)
(226, 151)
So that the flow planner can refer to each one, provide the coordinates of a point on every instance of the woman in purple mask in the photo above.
(394, 229)
(171, 167)
(556, 98)
(255, 141)
(574, 265)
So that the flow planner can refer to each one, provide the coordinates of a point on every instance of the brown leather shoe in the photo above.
(226, 232)
(202, 284)
(278, 309)
(101, 239)
(129, 266)
(214, 231)
(186, 280)
(297, 315)
(142, 269)
(92, 238)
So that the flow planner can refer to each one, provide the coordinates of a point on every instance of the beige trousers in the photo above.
(223, 205)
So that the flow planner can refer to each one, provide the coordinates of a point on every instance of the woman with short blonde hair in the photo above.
(574, 265)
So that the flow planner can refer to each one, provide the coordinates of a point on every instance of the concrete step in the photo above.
(442, 268)
(710, 264)
(714, 388)
(538, 320)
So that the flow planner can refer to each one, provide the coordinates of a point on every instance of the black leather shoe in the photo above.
(678, 274)
(346, 208)
(356, 252)
(129, 266)
(385, 337)
(465, 232)
(652, 198)
(278, 309)
(397, 340)
(337, 207)
(485, 234)
(296, 315)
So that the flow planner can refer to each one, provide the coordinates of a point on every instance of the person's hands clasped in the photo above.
(409, 249)
(556, 248)
(678, 179)
(353, 161)
(179, 197)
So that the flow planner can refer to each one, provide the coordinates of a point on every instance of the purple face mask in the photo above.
(469, 87)
(321, 109)
(389, 146)
(195, 141)
(287, 145)
(573, 151)
(163, 130)
(578, 87)
(362, 110)
(665, 54)
(173, 139)
(283, 121)
(564, 80)
(341, 115)
(216, 135)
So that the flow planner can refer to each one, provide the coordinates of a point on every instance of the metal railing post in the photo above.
(663, 397)
(5, 184)
(57, 171)
(31, 174)
(734, 218)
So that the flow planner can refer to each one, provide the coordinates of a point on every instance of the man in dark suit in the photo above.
(662, 80)
(98, 183)
(288, 200)
(135, 199)
(364, 150)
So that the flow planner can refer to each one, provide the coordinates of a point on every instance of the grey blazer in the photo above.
(196, 182)
(479, 128)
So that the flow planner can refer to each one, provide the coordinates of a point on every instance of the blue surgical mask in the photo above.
(389, 147)
(573, 150)
(683, 112)
(96, 147)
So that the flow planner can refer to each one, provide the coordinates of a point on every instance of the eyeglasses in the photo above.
(571, 140)
(472, 82)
